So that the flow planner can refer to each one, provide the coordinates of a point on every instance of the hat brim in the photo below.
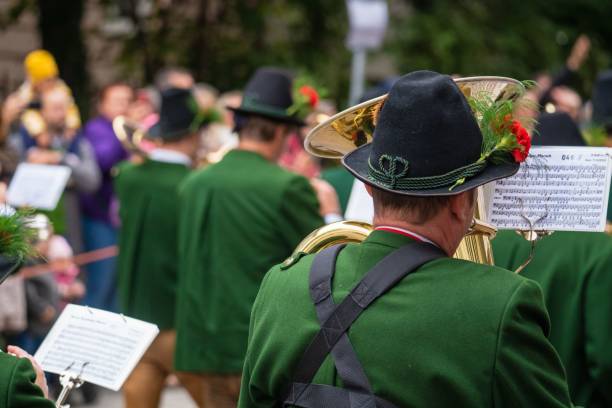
(291, 120)
(357, 163)
(336, 136)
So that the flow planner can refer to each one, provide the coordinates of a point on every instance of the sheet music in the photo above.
(37, 186)
(557, 189)
(360, 206)
(110, 343)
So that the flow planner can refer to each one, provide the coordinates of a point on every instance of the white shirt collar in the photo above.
(169, 156)
(404, 231)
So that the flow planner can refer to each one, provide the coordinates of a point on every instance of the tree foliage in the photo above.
(224, 41)
(495, 37)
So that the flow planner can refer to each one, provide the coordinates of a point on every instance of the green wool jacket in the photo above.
(574, 270)
(147, 264)
(451, 334)
(237, 218)
(17, 387)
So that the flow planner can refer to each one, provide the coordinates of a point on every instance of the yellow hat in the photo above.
(40, 65)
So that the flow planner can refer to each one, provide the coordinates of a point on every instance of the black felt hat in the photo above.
(557, 129)
(426, 140)
(602, 99)
(269, 94)
(179, 115)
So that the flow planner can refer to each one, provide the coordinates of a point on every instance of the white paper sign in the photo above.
(360, 206)
(37, 186)
(556, 189)
(109, 343)
(368, 21)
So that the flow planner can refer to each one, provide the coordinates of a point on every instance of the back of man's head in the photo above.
(411, 209)
(260, 129)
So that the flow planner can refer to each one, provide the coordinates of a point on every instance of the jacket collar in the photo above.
(386, 238)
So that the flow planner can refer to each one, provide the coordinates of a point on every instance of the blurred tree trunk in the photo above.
(197, 60)
(148, 70)
(59, 25)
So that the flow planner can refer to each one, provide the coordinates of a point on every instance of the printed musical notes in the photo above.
(556, 189)
(108, 344)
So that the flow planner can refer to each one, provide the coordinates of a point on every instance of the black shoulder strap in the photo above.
(349, 368)
(338, 319)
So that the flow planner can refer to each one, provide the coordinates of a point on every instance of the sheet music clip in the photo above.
(532, 235)
(69, 381)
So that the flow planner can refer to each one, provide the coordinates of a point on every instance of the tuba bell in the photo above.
(131, 136)
(348, 130)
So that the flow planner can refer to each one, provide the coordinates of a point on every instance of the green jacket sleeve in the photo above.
(598, 326)
(299, 211)
(527, 371)
(22, 392)
(251, 396)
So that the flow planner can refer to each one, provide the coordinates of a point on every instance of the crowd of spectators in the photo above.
(40, 124)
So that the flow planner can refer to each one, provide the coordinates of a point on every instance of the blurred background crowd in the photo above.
(70, 67)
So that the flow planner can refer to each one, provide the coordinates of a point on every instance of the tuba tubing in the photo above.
(475, 246)
(130, 135)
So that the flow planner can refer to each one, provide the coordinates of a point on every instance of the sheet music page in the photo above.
(110, 343)
(37, 186)
(556, 189)
(360, 206)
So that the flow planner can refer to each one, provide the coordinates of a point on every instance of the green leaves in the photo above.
(16, 236)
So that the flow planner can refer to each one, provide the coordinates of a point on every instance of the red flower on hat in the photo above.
(311, 94)
(522, 139)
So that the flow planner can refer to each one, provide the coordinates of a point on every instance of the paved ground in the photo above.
(174, 397)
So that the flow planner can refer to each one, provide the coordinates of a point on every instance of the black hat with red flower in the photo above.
(428, 142)
(272, 93)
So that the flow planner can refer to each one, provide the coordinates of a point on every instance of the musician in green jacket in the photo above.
(238, 217)
(22, 380)
(148, 250)
(450, 334)
(574, 270)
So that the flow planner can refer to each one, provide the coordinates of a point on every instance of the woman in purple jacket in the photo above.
(99, 227)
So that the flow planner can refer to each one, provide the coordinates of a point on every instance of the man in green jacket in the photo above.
(451, 333)
(148, 250)
(238, 218)
(22, 380)
(574, 270)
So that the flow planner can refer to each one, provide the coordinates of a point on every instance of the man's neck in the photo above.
(263, 149)
(433, 231)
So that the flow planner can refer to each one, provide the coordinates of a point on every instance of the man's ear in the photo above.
(458, 204)
(368, 189)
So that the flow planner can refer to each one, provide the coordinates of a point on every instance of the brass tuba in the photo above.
(348, 130)
(130, 135)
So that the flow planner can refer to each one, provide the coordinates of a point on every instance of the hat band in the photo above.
(392, 175)
(254, 106)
